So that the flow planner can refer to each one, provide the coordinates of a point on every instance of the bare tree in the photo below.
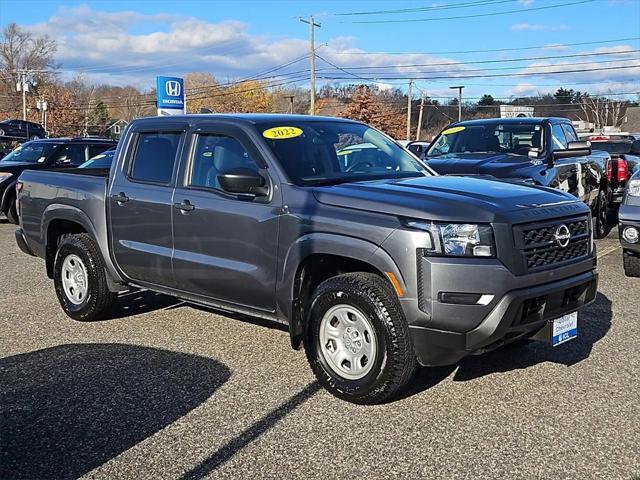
(20, 50)
(602, 111)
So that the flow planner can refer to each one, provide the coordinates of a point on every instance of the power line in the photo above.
(494, 50)
(427, 9)
(477, 15)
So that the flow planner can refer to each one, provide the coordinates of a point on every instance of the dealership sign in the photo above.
(170, 95)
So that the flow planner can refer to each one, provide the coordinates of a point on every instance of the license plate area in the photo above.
(564, 329)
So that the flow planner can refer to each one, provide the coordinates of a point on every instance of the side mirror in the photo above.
(243, 181)
(635, 148)
(574, 149)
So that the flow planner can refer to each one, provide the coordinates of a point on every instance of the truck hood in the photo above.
(503, 165)
(457, 199)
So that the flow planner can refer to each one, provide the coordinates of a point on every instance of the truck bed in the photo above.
(79, 191)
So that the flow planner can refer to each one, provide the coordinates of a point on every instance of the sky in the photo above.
(490, 46)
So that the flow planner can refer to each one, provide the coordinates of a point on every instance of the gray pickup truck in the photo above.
(629, 226)
(373, 261)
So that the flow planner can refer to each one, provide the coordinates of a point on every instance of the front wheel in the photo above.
(357, 342)
(12, 212)
(601, 221)
(79, 279)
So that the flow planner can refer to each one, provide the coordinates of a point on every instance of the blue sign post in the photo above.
(170, 96)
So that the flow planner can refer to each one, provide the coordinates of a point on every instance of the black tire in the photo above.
(601, 226)
(1, 132)
(395, 360)
(12, 212)
(98, 300)
(631, 264)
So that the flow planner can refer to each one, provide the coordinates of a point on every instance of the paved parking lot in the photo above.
(166, 390)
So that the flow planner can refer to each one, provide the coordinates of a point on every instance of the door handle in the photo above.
(120, 198)
(185, 206)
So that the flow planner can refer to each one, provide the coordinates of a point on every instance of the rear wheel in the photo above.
(1, 132)
(631, 264)
(80, 280)
(601, 220)
(357, 342)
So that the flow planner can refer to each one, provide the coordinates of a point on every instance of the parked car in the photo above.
(372, 268)
(540, 151)
(102, 160)
(625, 160)
(629, 227)
(40, 155)
(21, 130)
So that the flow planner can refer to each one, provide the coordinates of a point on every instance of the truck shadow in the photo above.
(68, 409)
(594, 323)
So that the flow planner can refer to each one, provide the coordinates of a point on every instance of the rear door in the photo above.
(140, 203)
(570, 175)
(225, 244)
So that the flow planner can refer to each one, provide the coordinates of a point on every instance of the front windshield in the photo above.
(30, 152)
(100, 161)
(516, 138)
(612, 147)
(334, 152)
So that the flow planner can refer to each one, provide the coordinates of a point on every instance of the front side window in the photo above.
(569, 133)
(515, 138)
(214, 155)
(332, 152)
(558, 138)
(73, 153)
(155, 157)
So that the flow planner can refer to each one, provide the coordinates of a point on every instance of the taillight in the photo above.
(623, 170)
(609, 167)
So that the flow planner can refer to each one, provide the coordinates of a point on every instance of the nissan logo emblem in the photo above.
(172, 88)
(562, 235)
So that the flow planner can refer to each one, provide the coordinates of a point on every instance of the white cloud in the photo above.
(525, 3)
(538, 27)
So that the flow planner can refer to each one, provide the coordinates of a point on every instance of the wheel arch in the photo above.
(313, 258)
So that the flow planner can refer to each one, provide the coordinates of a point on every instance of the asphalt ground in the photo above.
(166, 390)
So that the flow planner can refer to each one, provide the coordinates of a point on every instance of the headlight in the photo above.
(5, 176)
(458, 239)
(633, 188)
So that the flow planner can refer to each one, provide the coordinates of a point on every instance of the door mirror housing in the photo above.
(635, 148)
(243, 181)
(574, 149)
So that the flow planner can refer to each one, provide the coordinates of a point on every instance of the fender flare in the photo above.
(58, 211)
(330, 244)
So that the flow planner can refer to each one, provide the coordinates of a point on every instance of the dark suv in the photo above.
(21, 130)
(44, 154)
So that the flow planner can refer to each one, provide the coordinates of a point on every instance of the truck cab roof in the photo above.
(518, 120)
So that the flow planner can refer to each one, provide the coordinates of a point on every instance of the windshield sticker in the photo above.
(207, 154)
(282, 133)
(452, 130)
(99, 156)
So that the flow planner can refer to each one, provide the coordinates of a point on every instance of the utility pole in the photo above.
(409, 110)
(23, 86)
(312, 58)
(290, 97)
(459, 88)
(420, 117)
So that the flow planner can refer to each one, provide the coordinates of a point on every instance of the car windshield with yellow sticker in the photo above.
(325, 152)
(514, 138)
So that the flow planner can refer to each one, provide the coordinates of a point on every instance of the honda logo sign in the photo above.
(170, 95)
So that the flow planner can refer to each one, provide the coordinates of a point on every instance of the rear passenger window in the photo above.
(155, 157)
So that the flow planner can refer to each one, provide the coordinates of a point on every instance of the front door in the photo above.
(140, 206)
(225, 244)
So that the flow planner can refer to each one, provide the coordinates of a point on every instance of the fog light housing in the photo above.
(630, 234)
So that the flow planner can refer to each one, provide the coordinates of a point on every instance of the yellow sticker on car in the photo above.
(207, 154)
(452, 130)
(98, 156)
(282, 133)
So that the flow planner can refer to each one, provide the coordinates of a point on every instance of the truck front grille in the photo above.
(546, 244)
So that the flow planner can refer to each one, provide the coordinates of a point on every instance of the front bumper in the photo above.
(520, 313)
(629, 217)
